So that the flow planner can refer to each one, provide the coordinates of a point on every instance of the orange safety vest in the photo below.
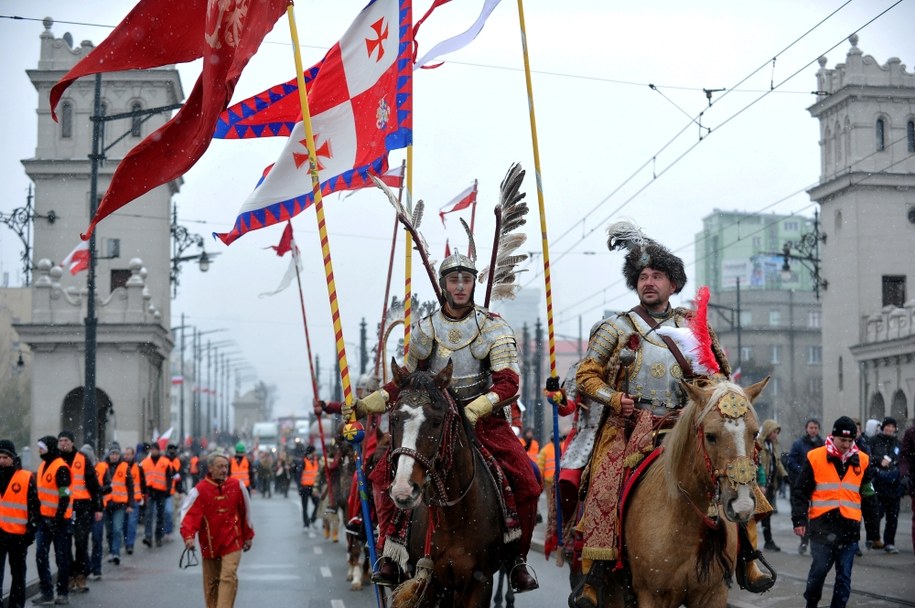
(157, 472)
(14, 504)
(100, 469)
(137, 490)
(78, 489)
(831, 492)
(548, 464)
(48, 492)
(240, 471)
(194, 460)
(118, 485)
(309, 473)
(176, 468)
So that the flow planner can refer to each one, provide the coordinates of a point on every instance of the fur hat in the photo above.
(844, 427)
(888, 420)
(644, 253)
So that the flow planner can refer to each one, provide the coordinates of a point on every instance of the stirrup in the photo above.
(743, 579)
(531, 573)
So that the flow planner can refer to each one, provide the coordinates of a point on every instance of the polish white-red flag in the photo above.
(78, 259)
(463, 200)
(286, 244)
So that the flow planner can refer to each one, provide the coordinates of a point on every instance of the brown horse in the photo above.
(357, 557)
(680, 526)
(438, 470)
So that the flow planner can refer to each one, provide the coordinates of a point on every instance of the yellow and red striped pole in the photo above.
(319, 214)
(408, 261)
(553, 381)
(353, 430)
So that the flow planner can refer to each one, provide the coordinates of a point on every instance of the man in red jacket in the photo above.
(218, 510)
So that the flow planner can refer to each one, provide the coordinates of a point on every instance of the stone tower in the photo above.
(867, 199)
(132, 286)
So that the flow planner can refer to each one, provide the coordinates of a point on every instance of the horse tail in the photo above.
(712, 550)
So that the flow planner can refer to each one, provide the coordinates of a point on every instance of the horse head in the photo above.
(721, 426)
(418, 421)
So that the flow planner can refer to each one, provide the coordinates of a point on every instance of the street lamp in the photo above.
(808, 248)
(20, 221)
(182, 240)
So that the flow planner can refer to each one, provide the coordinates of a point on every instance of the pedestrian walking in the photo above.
(798, 456)
(86, 500)
(774, 473)
(870, 506)
(139, 487)
(311, 471)
(97, 527)
(826, 507)
(54, 525)
(158, 471)
(885, 450)
(119, 500)
(218, 512)
(19, 513)
(907, 470)
(281, 474)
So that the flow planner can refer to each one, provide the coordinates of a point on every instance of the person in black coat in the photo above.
(885, 452)
(798, 456)
(826, 508)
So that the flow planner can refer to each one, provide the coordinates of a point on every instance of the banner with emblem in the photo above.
(360, 97)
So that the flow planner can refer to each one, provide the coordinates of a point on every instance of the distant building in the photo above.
(766, 316)
(867, 199)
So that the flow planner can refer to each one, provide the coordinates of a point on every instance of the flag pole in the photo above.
(553, 381)
(473, 209)
(353, 430)
(408, 261)
(311, 365)
(379, 355)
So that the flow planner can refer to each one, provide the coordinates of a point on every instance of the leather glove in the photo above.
(318, 407)
(479, 407)
(373, 403)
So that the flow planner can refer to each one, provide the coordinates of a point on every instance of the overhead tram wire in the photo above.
(656, 175)
(754, 213)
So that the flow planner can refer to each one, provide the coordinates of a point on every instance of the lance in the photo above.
(553, 380)
(408, 260)
(353, 431)
(311, 366)
(379, 354)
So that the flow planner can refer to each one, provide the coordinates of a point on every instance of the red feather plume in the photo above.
(699, 327)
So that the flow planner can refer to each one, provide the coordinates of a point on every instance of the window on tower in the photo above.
(881, 135)
(66, 120)
(910, 135)
(894, 290)
(136, 121)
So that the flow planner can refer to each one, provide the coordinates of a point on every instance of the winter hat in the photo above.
(845, 428)
(66, 434)
(240, 448)
(47, 443)
(7, 447)
(114, 447)
(89, 452)
(888, 420)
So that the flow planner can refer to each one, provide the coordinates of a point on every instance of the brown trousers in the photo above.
(220, 580)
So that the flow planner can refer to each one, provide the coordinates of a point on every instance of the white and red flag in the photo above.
(463, 200)
(78, 259)
(225, 33)
(360, 99)
(286, 244)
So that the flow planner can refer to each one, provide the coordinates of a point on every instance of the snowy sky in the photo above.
(611, 146)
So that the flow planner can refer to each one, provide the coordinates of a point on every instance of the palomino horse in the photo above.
(439, 471)
(680, 523)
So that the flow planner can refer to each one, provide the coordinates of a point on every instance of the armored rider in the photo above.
(635, 373)
(485, 378)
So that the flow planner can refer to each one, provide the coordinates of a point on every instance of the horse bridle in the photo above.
(431, 466)
(740, 471)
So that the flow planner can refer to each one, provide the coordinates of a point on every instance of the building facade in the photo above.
(765, 312)
(132, 289)
(867, 200)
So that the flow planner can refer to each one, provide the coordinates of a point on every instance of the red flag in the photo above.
(78, 259)
(461, 201)
(225, 34)
(285, 244)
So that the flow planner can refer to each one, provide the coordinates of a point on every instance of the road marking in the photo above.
(325, 572)
(337, 604)
(319, 550)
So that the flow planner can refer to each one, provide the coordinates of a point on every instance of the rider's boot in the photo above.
(388, 573)
(589, 595)
(519, 576)
(749, 576)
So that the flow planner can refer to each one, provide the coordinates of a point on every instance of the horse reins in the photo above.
(452, 418)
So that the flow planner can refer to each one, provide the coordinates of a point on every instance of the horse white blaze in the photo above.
(737, 428)
(413, 420)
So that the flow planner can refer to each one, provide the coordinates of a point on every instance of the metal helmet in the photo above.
(454, 263)
(368, 383)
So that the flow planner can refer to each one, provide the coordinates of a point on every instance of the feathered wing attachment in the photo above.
(695, 341)
(471, 244)
(510, 214)
(411, 223)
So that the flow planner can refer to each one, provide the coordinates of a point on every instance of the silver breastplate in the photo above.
(470, 375)
(656, 375)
